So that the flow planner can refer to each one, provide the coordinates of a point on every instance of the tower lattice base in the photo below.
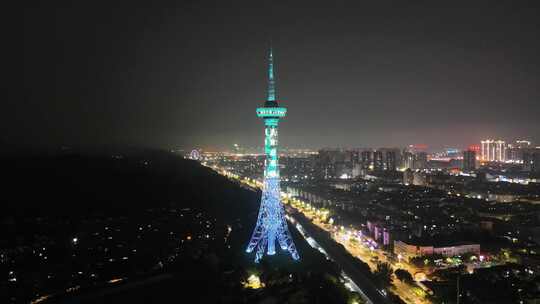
(271, 224)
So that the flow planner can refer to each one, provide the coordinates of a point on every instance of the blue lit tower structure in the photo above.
(271, 222)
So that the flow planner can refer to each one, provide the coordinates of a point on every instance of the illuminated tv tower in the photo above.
(271, 223)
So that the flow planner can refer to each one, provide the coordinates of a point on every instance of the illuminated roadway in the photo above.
(348, 282)
(318, 229)
(407, 292)
(369, 291)
(315, 237)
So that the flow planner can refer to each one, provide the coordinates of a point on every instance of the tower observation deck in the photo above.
(271, 224)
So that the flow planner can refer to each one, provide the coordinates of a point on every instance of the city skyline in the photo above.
(367, 75)
(149, 160)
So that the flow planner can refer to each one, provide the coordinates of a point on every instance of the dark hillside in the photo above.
(141, 226)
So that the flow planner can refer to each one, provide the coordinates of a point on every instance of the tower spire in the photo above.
(271, 84)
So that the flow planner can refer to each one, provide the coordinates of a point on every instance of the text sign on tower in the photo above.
(271, 112)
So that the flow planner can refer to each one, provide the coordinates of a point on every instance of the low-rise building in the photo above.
(412, 250)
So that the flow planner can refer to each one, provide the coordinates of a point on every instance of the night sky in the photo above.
(190, 74)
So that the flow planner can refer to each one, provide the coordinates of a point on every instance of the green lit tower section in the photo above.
(271, 113)
(271, 224)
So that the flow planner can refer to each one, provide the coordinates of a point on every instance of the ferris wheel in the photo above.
(195, 154)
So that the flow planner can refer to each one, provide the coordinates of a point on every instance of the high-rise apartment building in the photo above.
(493, 150)
(531, 160)
(408, 160)
(391, 160)
(378, 161)
(469, 160)
(366, 159)
(421, 160)
(514, 151)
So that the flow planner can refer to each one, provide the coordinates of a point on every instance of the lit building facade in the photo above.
(515, 151)
(379, 232)
(411, 250)
(493, 150)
